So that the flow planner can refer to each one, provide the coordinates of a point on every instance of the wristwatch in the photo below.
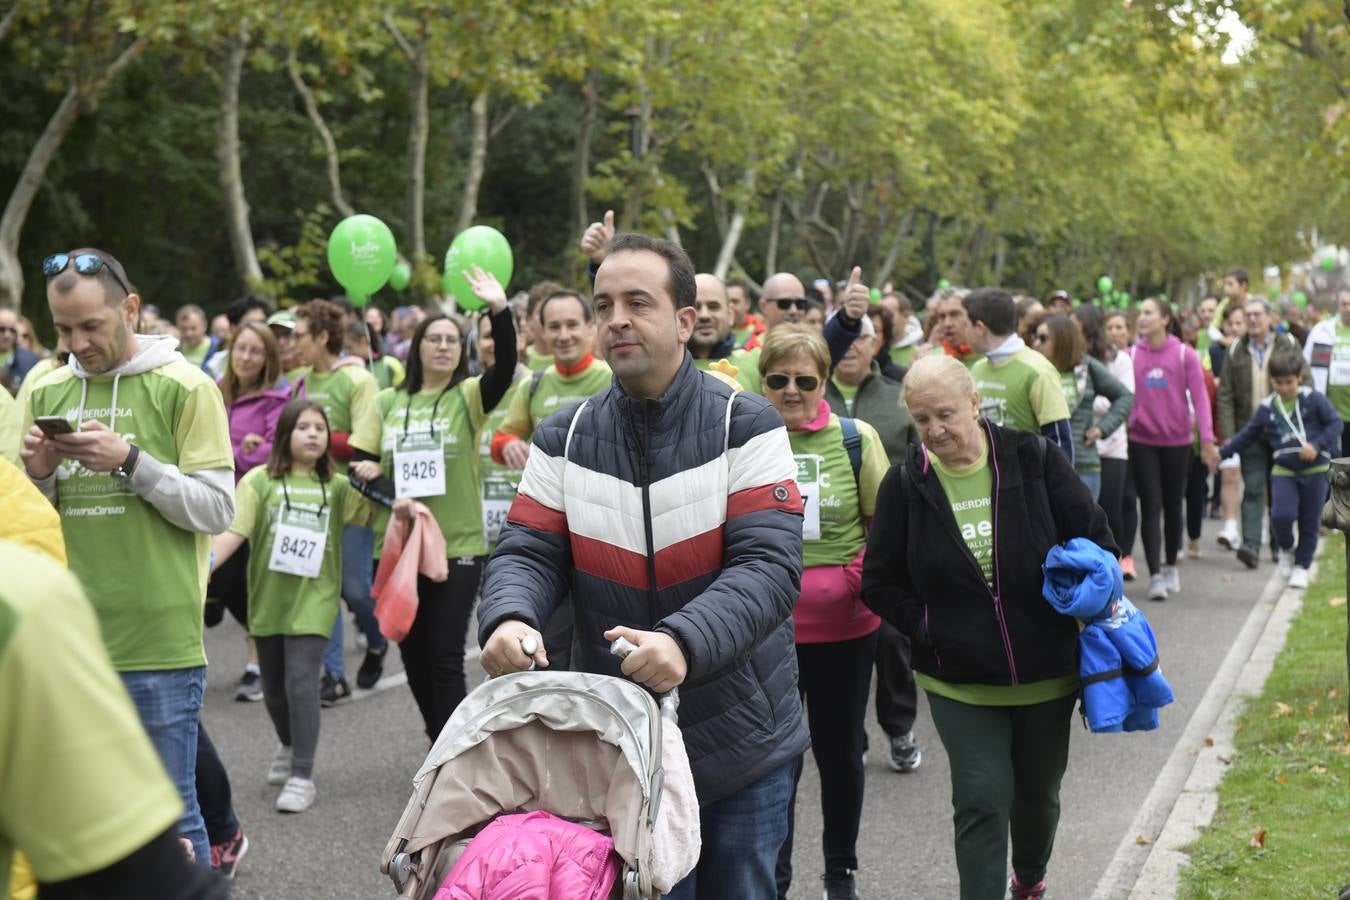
(128, 465)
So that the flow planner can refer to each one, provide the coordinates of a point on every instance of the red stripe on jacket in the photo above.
(783, 495)
(527, 511)
(676, 564)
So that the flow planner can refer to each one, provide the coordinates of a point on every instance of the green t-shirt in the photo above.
(295, 375)
(970, 491)
(1000, 694)
(536, 361)
(453, 418)
(387, 371)
(499, 482)
(347, 395)
(903, 356)
(11, 435)
(81, 786)
(278, 602)
(1338, 373)
(196, 355)
(1068, 383)
(1021, 392)
(848, 391)
(835, 505)
(555, 390)
(146, 576)
(743, 335)
(30, 381)
(747, 368)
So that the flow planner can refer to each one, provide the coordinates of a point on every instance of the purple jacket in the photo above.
(255, 414)
(1170, 400)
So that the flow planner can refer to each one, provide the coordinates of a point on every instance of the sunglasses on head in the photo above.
(788, 302)
(805, 383)
(85, 264)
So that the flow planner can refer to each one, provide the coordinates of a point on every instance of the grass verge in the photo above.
(1283, 823)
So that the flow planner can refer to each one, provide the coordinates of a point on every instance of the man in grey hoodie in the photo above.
(142, 477)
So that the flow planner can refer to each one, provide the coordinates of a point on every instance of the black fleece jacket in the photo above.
(919, 575)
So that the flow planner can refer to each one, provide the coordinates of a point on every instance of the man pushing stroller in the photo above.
(668, 507)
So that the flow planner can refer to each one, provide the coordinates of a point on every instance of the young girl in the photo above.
(1304, 432)
(292, 512)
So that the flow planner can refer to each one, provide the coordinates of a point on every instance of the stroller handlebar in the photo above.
(670, 701)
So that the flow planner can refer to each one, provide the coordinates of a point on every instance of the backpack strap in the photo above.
(534, 384)
(853, 444)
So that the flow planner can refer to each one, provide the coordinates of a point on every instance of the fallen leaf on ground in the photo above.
(1283, 709)
(1336, 601)
(1209, 742)
(1280, 779)
(1140, 839)
(1258, 840)
(1226, 760)
(1319, 770)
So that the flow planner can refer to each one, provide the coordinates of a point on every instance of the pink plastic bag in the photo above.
(404, 556)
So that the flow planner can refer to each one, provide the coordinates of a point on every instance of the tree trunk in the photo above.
(473, 179)
(325, 135)
(775, 228)
(902, 231)
(231, 171)
(581, 161)
(7, 23)
(418, 132)
(35, 169)
(737, 225)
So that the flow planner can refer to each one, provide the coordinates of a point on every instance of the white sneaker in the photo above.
(1229, 536)
(1157, 587)
(297, 796)
(1172, 578)
(1285, 567)
(1299, 579)
(280, 769)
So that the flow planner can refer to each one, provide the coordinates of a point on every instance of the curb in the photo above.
(1149, 860)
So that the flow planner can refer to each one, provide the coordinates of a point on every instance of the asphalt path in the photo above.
(370, 747)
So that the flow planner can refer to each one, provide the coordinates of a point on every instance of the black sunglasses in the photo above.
(788, 302)
(805, 383)
(85, 264)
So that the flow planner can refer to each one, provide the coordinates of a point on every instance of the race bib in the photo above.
(419, 465)
(1339, 371)
(808, 483)
(498, 495)
(299, 541)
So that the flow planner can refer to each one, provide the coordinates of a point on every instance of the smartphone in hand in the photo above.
(53, 425)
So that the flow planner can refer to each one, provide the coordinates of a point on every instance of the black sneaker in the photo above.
(1249, 556)
(839, 886)
(225, 857)
(333, 691)
(372, 667)
(250, 688)
(905, 755)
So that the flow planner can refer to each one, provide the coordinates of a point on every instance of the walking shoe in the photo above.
(1172, 578)
(1193, 549)
(280, 769)
(1157, 587)
(225, 857)
(1249, 556)
(1019, 891)
(839, 886)
(1299, 579)
(1285, 566)
(372, 667)
(297, 796)
(333, 691)
(905, 754)
(1229, 537)
(1127, 568)
(250, 688)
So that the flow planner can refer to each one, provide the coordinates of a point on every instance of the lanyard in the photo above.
(407, 411)
(287, 494)
(1299, 430)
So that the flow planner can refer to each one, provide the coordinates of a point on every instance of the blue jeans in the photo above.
(741, 837)
(1093, 480)
(358, 549)
(1297, 498)
(169, 703)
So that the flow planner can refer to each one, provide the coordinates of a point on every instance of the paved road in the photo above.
(370, 748)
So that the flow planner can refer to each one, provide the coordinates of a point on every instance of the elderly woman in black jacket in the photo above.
(954, 561)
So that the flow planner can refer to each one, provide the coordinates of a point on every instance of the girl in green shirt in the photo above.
(292, 512)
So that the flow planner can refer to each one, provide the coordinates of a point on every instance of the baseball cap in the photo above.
(282, 319)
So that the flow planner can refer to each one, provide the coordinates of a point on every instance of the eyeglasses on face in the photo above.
(777, 381)
(85, 264)
(787, 303)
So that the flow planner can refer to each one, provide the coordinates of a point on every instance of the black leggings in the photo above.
(228, 590)
(433, 651)
(1197, 498)
(1160, 475)
(1115, 474)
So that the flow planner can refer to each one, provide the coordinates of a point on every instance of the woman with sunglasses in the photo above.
(430, 428)
(1084, 380)
(840, 464)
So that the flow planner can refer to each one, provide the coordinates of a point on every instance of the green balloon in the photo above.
(361, 254)
(482, 246)
(358, 300)
(1328, 264)
(1104, 284)
(1299, 299)
(874, 295)
(943, 284)
(401, 276)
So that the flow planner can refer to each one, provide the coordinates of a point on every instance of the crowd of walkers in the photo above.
(785, 502)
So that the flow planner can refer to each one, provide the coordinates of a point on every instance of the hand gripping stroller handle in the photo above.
(669, 702)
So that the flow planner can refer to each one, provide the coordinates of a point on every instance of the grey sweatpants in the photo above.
(291, 667)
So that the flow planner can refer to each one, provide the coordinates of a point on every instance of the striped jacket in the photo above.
(680, 515)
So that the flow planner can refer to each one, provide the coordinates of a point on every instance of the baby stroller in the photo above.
(584, 747)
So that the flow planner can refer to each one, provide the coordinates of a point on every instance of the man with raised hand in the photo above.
(713, 339)
(143, 476)
(702, 581)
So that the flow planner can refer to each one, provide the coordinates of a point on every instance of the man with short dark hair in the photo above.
(142, 482)
(702, 581)
(1019, 388)
(193, 341)
(744, 323)
(951, 327)
(538, 354)
(713, 338)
